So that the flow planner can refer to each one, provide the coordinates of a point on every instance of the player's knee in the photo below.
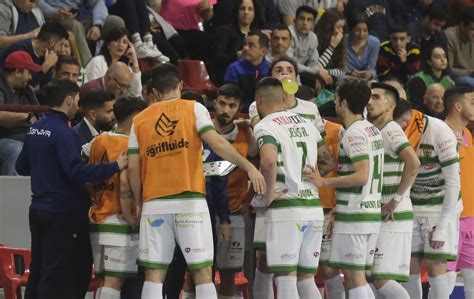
(304, 276)
(262, 261)
(113, 282)
(155, 275)
(415, 266)
(435, 268)
(227, 277)
(329, 272)
(379, 283)
(202, 276)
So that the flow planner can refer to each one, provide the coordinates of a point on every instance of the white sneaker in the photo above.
(144, 52)
(158, 54)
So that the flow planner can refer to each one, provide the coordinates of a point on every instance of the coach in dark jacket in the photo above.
(61, 254)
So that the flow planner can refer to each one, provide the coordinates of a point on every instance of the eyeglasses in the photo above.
(123, 87)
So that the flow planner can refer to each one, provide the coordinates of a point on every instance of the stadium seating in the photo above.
(195, 77)
(11, 281)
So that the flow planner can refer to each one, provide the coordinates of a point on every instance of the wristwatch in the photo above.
(397, 197)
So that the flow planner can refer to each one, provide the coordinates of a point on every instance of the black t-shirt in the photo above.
(26, 22)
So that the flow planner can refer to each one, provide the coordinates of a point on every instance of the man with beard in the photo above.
(98, 112)
(231, 237)
(459, 108)
(393, 249)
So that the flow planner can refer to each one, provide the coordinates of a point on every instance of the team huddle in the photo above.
(373, 198)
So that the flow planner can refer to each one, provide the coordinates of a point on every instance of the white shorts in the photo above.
(326, 243)
(392, 256)
(420, 246)
(352, 252)
(259, 233)
(232, 258)
(159, 235)
(293, 245)
(114, 261)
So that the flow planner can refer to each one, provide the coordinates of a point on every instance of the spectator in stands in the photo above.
(330, 32)
(378, 13)
(252, 66)
(117, 47)
(67, 68)
(407, 11)
(395, 82)
(461, 48)
(61, 258)
(362, 49)
(188, 16)
(14, 89)
(117, 80)
(68, 47)
(280, 42)
(304, 43)
(289, 9)
(398, 57)
(167, 39)
(98, 109)
(427, 32)
(41, 50)
(434, 71)
(19, 20)
(230, 38)
(433, 101)
(135, 15)
(85, 28)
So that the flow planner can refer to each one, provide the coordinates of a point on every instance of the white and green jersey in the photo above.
(358, 208)
(395, 141)
(437, 151)
(297, 142)
(306, 109)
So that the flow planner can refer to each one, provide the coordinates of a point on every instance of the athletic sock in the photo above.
(370, 293)
(451, 275)
(374, 290)
(187, 295)
(335, 288)
(148, 40)
(413, 286)
(152, 290)
(225, 297)
(307, 289)
(263, 285)
(286, 287)
(468, 275)
(109, 293)
(206, 291)
(393, 289)
(439, 288)
(358, 293)
(136, 40)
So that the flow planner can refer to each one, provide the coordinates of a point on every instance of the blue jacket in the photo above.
(246, 75)
(51, 155)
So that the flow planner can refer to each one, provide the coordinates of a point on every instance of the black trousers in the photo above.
(134, 13)
(61, 261)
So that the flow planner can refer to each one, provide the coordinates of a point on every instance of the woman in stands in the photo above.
(117, 47)
(230, 38)
(329, 30)
(362, 49)
(69, 47)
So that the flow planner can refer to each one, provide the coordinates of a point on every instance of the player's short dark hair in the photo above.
(268, 82)
(453, 95)
(399, 28)
(58, 90)
(127, 106)
(66, 59)
(283, 58)
(165, 78)
(435, 12)
(52, 29)
(93, 99)
(230, 90)
(356, 93)
(263, 40)
(307, 9)
(402, 108)
(391, 91)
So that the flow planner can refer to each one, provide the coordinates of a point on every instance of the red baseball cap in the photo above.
(21, 60)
